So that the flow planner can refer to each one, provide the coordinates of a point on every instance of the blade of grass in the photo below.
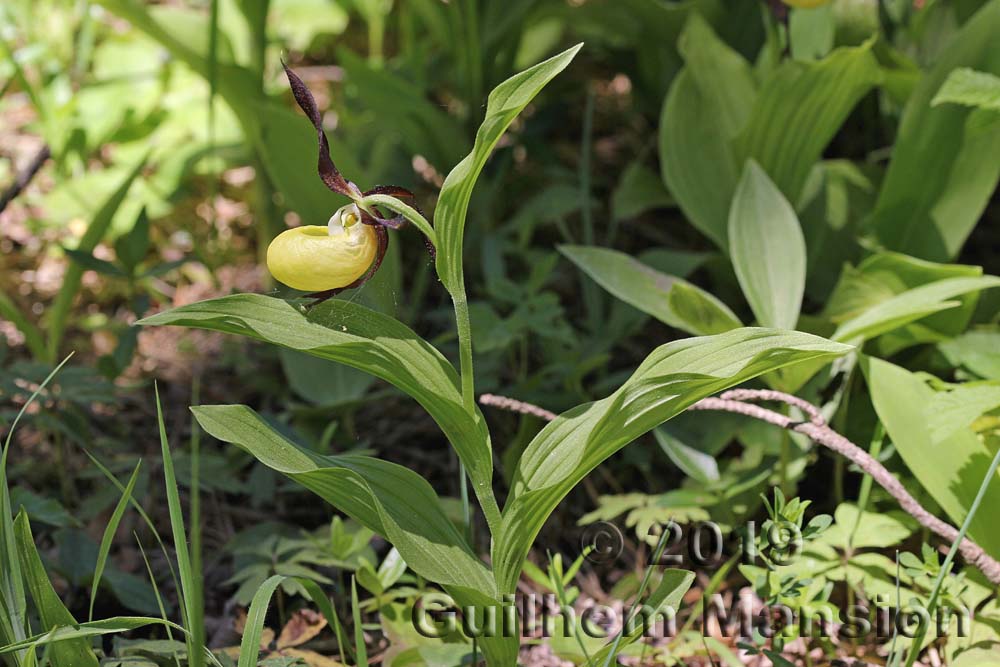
(359, 634)
(84, 631)
(198, 593)
(12, 598)
(657, 555)
(142, 513)
(320, 599)
(187, 590)
(109, 535)
(254, 627)
(946, 566)
(875, 448)
(51, 611)
(156, 593)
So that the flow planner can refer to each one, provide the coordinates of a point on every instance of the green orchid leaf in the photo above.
(673, 377)
(504, 104)
(364, 339)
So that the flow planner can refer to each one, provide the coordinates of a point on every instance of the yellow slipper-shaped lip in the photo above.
(314, 258)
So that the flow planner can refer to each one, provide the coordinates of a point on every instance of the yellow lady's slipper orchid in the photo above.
(315, 259)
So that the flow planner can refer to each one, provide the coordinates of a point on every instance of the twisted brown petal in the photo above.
(328, 171)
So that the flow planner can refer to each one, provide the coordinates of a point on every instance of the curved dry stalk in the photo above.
(742, 401)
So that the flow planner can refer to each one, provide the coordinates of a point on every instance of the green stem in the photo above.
(485, 495)
(464, 325)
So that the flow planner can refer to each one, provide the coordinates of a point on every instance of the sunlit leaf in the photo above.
(768, 249)
(504, 104)
(671, 300)
(673, 377)
(944, 167)
(361, 338)
(952, 469)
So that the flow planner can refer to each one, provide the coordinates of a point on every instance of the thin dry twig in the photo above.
(24, 177)
(742, 401)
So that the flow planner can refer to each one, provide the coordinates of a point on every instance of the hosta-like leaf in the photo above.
(960, 407)
(951, 469)
(356, 336)
(768, 249)
(799, 109)
(910, 306)
(673, 377)
(671, 300)
(503, 105)
(390, 499)
(705, 108)
(944, 167)
(970, 88)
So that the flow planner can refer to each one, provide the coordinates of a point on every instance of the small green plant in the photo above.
(397, 503)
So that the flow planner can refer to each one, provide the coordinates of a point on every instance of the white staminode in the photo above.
(344, 220)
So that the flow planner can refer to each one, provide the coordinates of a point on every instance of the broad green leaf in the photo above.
(504, 104)
(131, 248)
(862, 530)
(706, 107)
(944, 167)
(387, 498)
(673, 377)
(977, 351)
(694, 463)
(799, 109)
(364, 339)
(958, 408)
(321, 382)
(691, 309)
(885, 275)
(767, 249)
(970, 88)
(910, 306)
(951, 470)
(50, 608)
(811, 31)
